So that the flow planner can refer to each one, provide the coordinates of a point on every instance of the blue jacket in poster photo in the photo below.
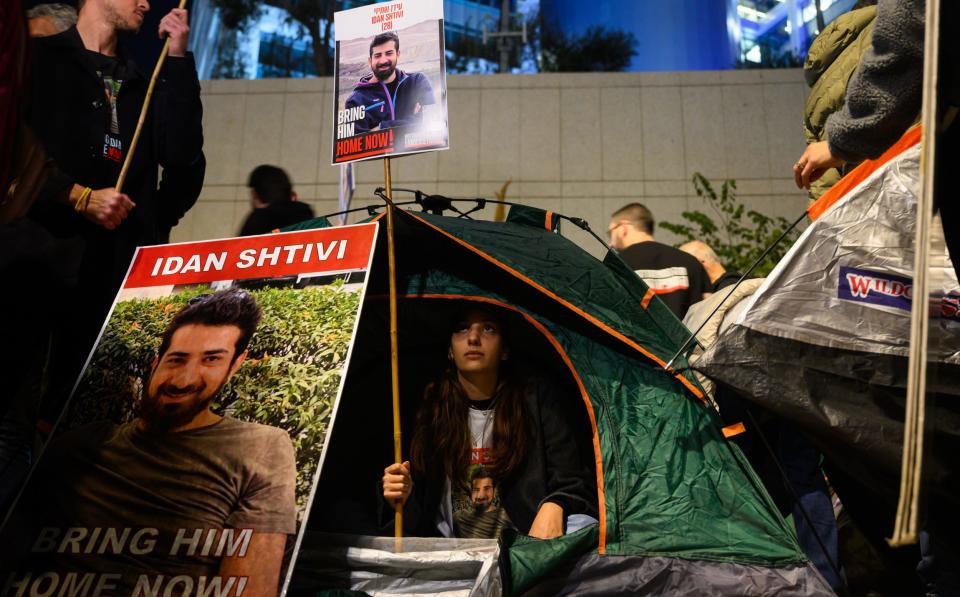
(390, 105)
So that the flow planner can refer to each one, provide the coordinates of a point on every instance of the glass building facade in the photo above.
(672, 35)
(274, 46)
(677, 35)
(773, 31)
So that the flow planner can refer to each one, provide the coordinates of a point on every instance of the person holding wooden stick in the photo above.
(85, 101)
(481, 420)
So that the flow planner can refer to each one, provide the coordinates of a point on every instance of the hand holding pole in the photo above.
(394, 352)
(143, 111)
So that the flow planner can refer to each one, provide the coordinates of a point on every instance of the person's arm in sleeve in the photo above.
(104, 207)
(569, 487)
(268, 508)
(260, 566)
(179, 111)
(364, 124)
(885, 92)
(419, 85)
(58, 191)
(425, 96)
(178, 191)
(883, 96)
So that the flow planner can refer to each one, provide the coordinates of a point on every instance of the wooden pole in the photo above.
(143, 111)
(394, 352)
(906, 526)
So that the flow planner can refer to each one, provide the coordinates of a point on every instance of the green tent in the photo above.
(681, 511)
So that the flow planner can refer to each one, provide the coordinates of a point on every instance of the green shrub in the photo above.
(289, 380)
(741, 235)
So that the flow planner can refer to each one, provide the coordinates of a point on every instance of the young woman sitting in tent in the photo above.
(490, 449)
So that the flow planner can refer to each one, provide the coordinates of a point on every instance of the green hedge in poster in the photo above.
(289, 380)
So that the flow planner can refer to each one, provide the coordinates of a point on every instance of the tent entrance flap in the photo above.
(361, 435)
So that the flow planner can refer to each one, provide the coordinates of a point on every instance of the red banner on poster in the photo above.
(268, 256)
(364, 146)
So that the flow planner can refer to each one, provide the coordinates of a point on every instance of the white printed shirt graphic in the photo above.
(665, 281)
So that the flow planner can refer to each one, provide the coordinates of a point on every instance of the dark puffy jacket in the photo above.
(831, 61)
(386, 111)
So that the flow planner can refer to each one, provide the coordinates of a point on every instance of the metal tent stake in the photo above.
(394, 352)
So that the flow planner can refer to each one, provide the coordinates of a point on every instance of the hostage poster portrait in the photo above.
(186, 457)
(390, 84)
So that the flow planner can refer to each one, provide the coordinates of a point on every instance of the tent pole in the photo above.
(394, 352)
(759, 260)
(143, 111)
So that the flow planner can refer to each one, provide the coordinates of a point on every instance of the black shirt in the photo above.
(276, 215)
(727, 279)
(112, 73)
(392, 87)
(676, 277)
(109, 66)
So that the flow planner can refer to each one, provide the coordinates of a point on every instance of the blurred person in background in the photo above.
(274, 202)
(50, 19)
(677, 278)
(719, 276)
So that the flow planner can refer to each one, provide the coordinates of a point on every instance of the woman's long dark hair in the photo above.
(441, 442)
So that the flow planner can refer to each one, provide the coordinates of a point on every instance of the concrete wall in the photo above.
(579, 144)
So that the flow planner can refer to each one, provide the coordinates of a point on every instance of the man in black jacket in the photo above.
(389, 96)
(85, 103)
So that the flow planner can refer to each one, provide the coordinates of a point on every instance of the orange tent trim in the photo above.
(647, 297)
(618, 335)
(733, 430)
(862, 172)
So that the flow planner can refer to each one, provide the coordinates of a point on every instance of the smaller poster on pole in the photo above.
(390, 85)
(187, 455)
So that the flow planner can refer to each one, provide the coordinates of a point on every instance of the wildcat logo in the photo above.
(865, 286)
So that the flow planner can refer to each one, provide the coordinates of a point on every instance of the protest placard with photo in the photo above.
(186, 457)
(390, 84)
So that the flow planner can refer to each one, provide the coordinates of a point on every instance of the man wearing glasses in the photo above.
(676, 277)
